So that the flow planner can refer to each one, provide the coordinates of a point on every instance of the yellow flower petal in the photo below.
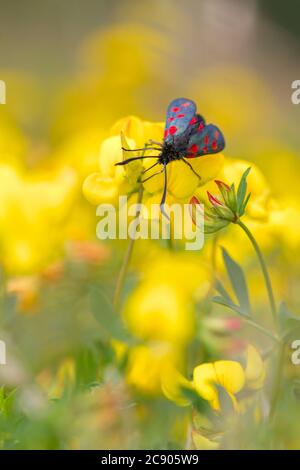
(230, 375)
(132, 127)
(208, 166)
(159, 311)
(255, 370)
(97, 188)
(110, 154)
(146, 365)
(227, 374)
(172, 383)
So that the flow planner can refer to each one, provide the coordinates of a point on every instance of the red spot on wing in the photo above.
(214, 145)
(186, 104)
(201, 126)
(204, 149)
(180, 115)
(170, 119)
(172, 130)
(206, 139)
(166, 133)
(175, 109)
(193, 120)
(193, 149)
(217, 134)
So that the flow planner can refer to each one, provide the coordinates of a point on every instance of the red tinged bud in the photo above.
(194, 201)
(214, 201)
(221, 185)
(195, 205)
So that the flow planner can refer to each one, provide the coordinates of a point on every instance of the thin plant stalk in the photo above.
(126, 261)
(264, 270)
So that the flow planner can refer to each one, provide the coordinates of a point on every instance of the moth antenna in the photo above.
(155, 142)
(124, 162)
(138, 150)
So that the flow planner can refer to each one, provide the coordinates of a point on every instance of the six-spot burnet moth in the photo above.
(186, 136)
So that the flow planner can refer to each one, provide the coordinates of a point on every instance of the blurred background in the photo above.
(72, 68)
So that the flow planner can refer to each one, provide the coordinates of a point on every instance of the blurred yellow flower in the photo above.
(146, 364)
(32, 209)
(117, 66)
(173, 383)
(159, 311)
(161, 308)
(255, 371)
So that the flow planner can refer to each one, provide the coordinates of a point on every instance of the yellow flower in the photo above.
(173, 383)
(226, 374)
(106, 185)
(146, 365)
(159, 311)
(32, 212)
(208, 377)
(231, 376)
(255, 371)
(161, 307)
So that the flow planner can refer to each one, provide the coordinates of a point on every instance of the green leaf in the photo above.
(232, 199)
(241, 192)
(245, 203)
(289, 322)
(106, 315)
(6, 401)
(221, 289)
(229, 304)
(238, 281)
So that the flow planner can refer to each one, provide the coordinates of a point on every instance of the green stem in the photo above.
(264, 270)
(261, 329)
(276, 389)
(126, 261)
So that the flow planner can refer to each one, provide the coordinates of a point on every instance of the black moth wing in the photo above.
(180, 113)
(204, 141)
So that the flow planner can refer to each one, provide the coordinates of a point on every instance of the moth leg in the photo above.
(150, 168)
(149, 177)
(163, 199)
(189, 165)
